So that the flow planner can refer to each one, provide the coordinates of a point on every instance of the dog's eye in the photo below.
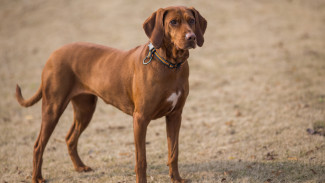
(173, 22)
(191, 21)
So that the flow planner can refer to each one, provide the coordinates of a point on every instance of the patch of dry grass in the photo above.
(256, 86)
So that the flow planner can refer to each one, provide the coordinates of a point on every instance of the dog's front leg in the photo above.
(173, 123)
(140, 124)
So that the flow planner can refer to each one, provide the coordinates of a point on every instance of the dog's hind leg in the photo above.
(51, 112)
(84, 107)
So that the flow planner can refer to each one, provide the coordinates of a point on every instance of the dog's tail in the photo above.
(28, 102)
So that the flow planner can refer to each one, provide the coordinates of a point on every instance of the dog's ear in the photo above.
(200, 26)
(154, 28)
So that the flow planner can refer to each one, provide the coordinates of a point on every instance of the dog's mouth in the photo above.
(186, 45)
(191, 44)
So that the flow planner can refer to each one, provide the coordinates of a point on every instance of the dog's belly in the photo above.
(122, 103)
(116, 93)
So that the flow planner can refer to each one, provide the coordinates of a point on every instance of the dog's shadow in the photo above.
(248, 171)
(212, 171)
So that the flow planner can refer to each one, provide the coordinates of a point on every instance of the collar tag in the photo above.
(150, 54)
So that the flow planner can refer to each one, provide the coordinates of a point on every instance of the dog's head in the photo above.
(183, 27)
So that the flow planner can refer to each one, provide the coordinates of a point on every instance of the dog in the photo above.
(147, 82)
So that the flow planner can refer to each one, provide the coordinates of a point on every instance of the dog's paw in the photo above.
(83, 169)
(181, 181)
(39, 180)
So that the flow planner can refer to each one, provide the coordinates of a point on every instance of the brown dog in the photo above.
(145, 84)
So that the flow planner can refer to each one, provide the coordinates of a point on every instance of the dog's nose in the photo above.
(190, 36)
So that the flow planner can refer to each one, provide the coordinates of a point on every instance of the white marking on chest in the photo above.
(174, 98)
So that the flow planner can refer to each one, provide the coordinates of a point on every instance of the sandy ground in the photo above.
(256, 85)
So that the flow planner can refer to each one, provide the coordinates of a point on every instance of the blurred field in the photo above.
(256, 85)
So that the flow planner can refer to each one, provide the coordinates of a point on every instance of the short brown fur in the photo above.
(82, 72)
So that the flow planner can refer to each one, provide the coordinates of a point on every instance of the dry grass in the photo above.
(256, 86)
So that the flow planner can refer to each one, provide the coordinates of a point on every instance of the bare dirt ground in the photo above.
(256, 85)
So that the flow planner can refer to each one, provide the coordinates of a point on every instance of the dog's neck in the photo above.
(170, 52)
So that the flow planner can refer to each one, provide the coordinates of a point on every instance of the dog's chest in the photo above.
(173, 99)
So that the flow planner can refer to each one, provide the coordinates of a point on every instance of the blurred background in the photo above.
(255, 113)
